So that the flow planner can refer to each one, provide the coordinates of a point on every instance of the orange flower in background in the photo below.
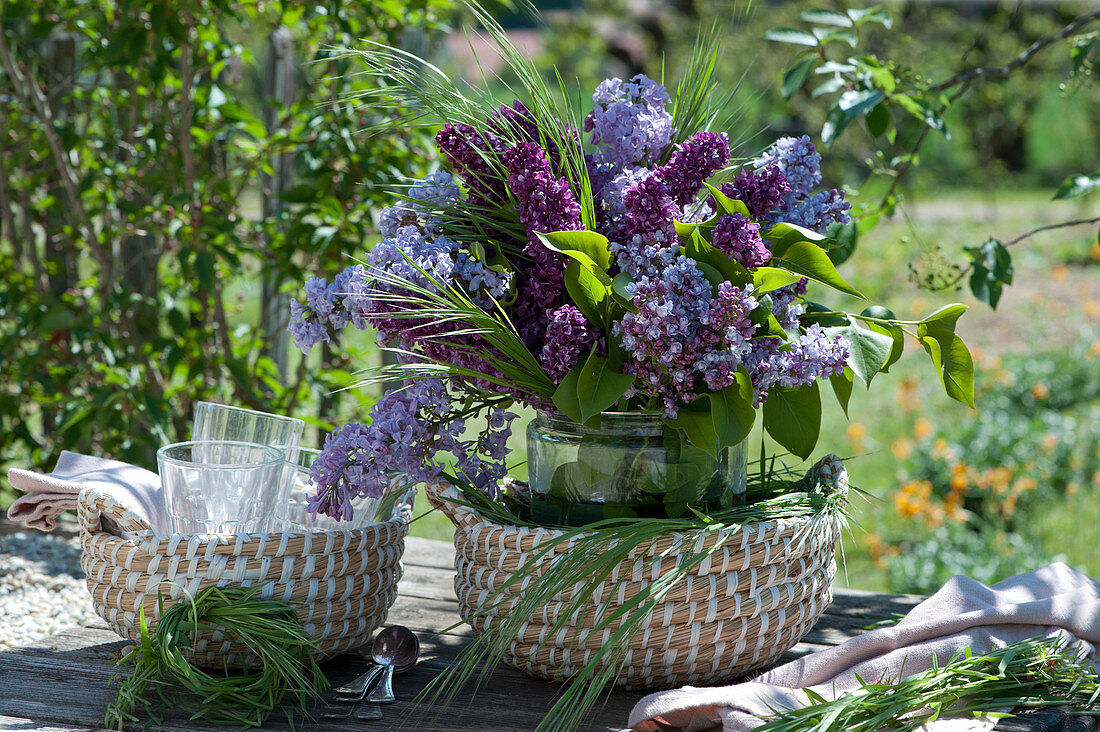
(1092, 309)
(922, 429)
(1048, 443)
(901, 448)
(1040, 391)
(959, 479)
(906, 394)
(1094, 250)
(1095, 350)
(1059, 272)
(856, 433)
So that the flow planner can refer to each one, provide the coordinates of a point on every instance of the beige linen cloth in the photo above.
(48, 495)
(1054, 600)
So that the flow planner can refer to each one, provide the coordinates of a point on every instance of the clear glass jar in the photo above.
(632, 465)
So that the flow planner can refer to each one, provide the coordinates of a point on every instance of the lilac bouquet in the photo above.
(624, 262)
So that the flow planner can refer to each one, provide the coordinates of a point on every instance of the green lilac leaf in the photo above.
(844, 239)
(599, 387)
(727, 204)
(868, 350)
(593, 245)
(793, 418)
(565, 396)
(766, 279)
(586, 290)
(696, 421)
(952, 360)
(946, 317)
(782, 235)
(842, 387)
(732, 411)
(796, 76)
(810, 260)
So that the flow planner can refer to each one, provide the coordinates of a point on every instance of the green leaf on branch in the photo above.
(727, 204)
(595, 246)
(950, 356)
(842, 387)
(844, 238)
(702, 252)
(946, 317)
(793, 418)
(920, 108)
(588, 291)
(991, 271)
(791, 35)
(810, 260)
(879, 120)
(868, 350)
(796, 76)
(1078, 185)
(782, 235)
(565, 396)
(850, 105)
(599, 386)
(766, 279)
(894, 332)
(697, 422)
(732, 411)
(822, 16)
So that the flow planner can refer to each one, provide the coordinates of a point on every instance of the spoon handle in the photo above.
(383, 693)
(356, 690)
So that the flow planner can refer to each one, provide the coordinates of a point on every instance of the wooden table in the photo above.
(63, 683)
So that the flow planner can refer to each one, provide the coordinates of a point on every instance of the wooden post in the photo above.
(280, 92)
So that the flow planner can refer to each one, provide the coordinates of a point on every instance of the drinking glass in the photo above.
(291, 515)
(219, 486)
(223, 422)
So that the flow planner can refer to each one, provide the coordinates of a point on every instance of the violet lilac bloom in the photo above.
(739, 238)
(762, 191)
(692, 162)
(569, 336)
(629, 123)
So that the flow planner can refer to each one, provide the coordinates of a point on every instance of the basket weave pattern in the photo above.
(341, 583)
(750, 600)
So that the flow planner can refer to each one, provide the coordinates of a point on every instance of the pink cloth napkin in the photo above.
(964, 613)
(48, 495)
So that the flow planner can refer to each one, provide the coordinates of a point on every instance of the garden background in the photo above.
(173, 171)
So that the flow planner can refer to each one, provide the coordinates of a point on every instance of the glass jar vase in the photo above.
(632, 465)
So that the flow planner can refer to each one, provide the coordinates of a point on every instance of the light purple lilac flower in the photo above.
(408, 431)
(681, 333)
(797, 160)
(800, 164)
(786, 305)
(809, 357)
(629, 123)
(569, 336)
(611, 219)
(692, 162)
(739, 238)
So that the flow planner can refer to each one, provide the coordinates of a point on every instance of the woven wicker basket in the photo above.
(341, 583)
(741, 608)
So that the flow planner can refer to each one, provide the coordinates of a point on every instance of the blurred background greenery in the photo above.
(161, 144)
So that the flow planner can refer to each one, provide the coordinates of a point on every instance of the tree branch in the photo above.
(968, 77)
(1048, 227)
(30, 91)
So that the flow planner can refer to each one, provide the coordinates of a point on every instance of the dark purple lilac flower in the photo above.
(472, 159)
(762, 190)
(693, 161)
(650, 210)
(739, 238)
(545, 204)
(569, 336)
(629, 123)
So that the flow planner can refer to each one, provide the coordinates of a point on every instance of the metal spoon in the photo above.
(395, 646)
(372, 711)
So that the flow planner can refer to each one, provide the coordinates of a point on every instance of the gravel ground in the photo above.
(42, 588)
